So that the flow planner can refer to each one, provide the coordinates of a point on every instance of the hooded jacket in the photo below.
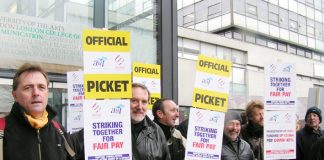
(22, 141)
(150, 143)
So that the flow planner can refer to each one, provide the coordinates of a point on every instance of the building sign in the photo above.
(39, 40)
(212, 84)
(205, 135)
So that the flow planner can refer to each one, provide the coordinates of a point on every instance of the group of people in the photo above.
(31, 130)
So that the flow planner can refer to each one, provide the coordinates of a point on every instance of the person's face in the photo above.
(232, 129)
(32, 93)
(312, 120)
(170, 113)
(257, 116)
(138, 104)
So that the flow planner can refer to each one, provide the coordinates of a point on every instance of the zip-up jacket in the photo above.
(22, 141)
(150, 143)
(242, 151)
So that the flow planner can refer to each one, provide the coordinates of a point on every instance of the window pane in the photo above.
(261, 41)
(201, 11)
(282, 47)
(208, 49)
(226, 6)
(251, 11)
(237, 35)
(293, 25)
(308, 54)
(292, 50)
(302, 25)
(239, 7)
(273, 18)
(191, 46)
(188, 19)
(318, 4)
(238, 57)
(283, 18)
(316, 56)
(262, 11)
(250, 38)
(238, 75)
(214, 9)
(300, 52)
(272, 44)
(228, 34)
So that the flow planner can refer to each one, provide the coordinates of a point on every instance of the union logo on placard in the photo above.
(118, 109)
(96, 108)
(287, 117)
(100, 62)
(207, 81)
(274, 118)
(214, 119)
(273, 68)
(75, 77)
(199, 116)
(119, 60)
(287, 69)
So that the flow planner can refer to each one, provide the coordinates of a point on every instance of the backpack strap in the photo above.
(2, 128)
(66, 144)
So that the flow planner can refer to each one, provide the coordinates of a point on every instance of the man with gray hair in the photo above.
(148, 141)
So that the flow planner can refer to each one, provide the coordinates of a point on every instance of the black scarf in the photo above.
(166, 129)
(255, 130)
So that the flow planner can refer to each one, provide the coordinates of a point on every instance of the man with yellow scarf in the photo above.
(29, 133)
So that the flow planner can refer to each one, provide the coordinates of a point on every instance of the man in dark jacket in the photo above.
(308, 135)
(148, 140)
(165, 113)
(234, 148)
(253, 131)
(29, 133)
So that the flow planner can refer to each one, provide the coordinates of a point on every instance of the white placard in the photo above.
(75, 101)
(280, 84)
(280, 135)
(107, 129)
(205, 135)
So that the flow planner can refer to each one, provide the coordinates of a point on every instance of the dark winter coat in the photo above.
(243, 152)
(150, 143)
(305, 138)
(317, 150)
(253, 135)
(176, 142)
(21, 140)
(78, 144)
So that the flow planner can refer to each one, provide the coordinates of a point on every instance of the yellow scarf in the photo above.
(38, 123)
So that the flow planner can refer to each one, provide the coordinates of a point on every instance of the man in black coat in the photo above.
(308, 136)
(148, 140)
(165, 113)
(29, 132)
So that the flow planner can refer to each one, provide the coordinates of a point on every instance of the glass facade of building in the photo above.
(289, 25)
(49, 32)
